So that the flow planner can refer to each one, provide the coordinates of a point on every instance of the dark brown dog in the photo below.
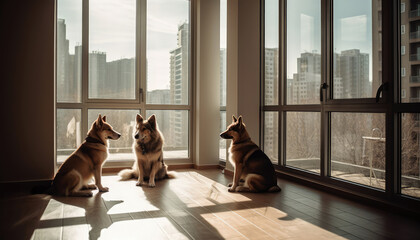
(254, 171)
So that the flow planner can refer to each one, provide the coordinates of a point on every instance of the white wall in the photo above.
(27, 91)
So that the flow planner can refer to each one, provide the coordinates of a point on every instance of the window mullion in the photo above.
(142, 45)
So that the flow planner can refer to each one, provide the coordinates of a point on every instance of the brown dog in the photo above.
(86, 162)
(254, 171)
(148, 148)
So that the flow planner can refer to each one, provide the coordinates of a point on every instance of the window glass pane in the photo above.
(69, 50)
(174, 126)
(410, 52)
(168, 34)
(222, 142)
(271, 135)
(124, 122)
(358, 148)
(69, 133)
(357, 60)
(112, 37)
(410, 154)
(303, 140)
(271, 53)
(303, 51)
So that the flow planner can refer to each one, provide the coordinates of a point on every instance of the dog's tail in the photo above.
(126, 174)
(170, 174)
(274, 189)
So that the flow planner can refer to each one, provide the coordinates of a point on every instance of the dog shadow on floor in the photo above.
(95, 213)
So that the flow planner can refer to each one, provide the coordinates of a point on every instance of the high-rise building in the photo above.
(68, 79)
(354, 71)
(178, 92)
(271, 75)
(179, 67)
(120, 78)
(304, 88)
(410, 51)
(97, 75)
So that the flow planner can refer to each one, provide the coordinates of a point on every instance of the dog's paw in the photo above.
(91, 186)
(231, 189)
(230, 184)
(103, 189)
(242, 189)
(142, 183)
(152, 184)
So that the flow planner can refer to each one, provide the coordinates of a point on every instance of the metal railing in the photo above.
(415, 57)
(415, 13)
(415, 35)
(415, 79)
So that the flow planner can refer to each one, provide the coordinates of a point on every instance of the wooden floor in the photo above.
(197, 205)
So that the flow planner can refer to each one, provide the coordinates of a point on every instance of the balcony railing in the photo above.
(415, 79)
(415, 35)
(415, 57)
(415, 13)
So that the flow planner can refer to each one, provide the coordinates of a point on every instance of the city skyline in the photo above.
(69, 70)
(112, 28)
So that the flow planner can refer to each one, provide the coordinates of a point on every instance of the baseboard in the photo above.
(112, 170)
(180, 166)
(205, 167)
(228, 172)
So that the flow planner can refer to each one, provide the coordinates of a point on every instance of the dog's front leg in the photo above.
(98, 177)
(155, 168)
(236, 176)
(140, 180)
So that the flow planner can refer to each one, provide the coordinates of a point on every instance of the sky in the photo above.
(112, 30)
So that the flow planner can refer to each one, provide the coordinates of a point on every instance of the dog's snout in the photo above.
(136, 136)
(119, 135)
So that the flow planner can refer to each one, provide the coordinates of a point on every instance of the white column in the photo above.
(207, 82)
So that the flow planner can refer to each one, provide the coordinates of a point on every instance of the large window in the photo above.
(339, 113)
(120, 58)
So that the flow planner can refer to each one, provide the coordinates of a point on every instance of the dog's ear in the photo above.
(99, 121)
(139, 118)
(104, 118)
(240, 120)
(152, 121)
(234, 118)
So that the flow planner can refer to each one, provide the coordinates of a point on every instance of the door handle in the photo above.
(321, 93)
(383, 87)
